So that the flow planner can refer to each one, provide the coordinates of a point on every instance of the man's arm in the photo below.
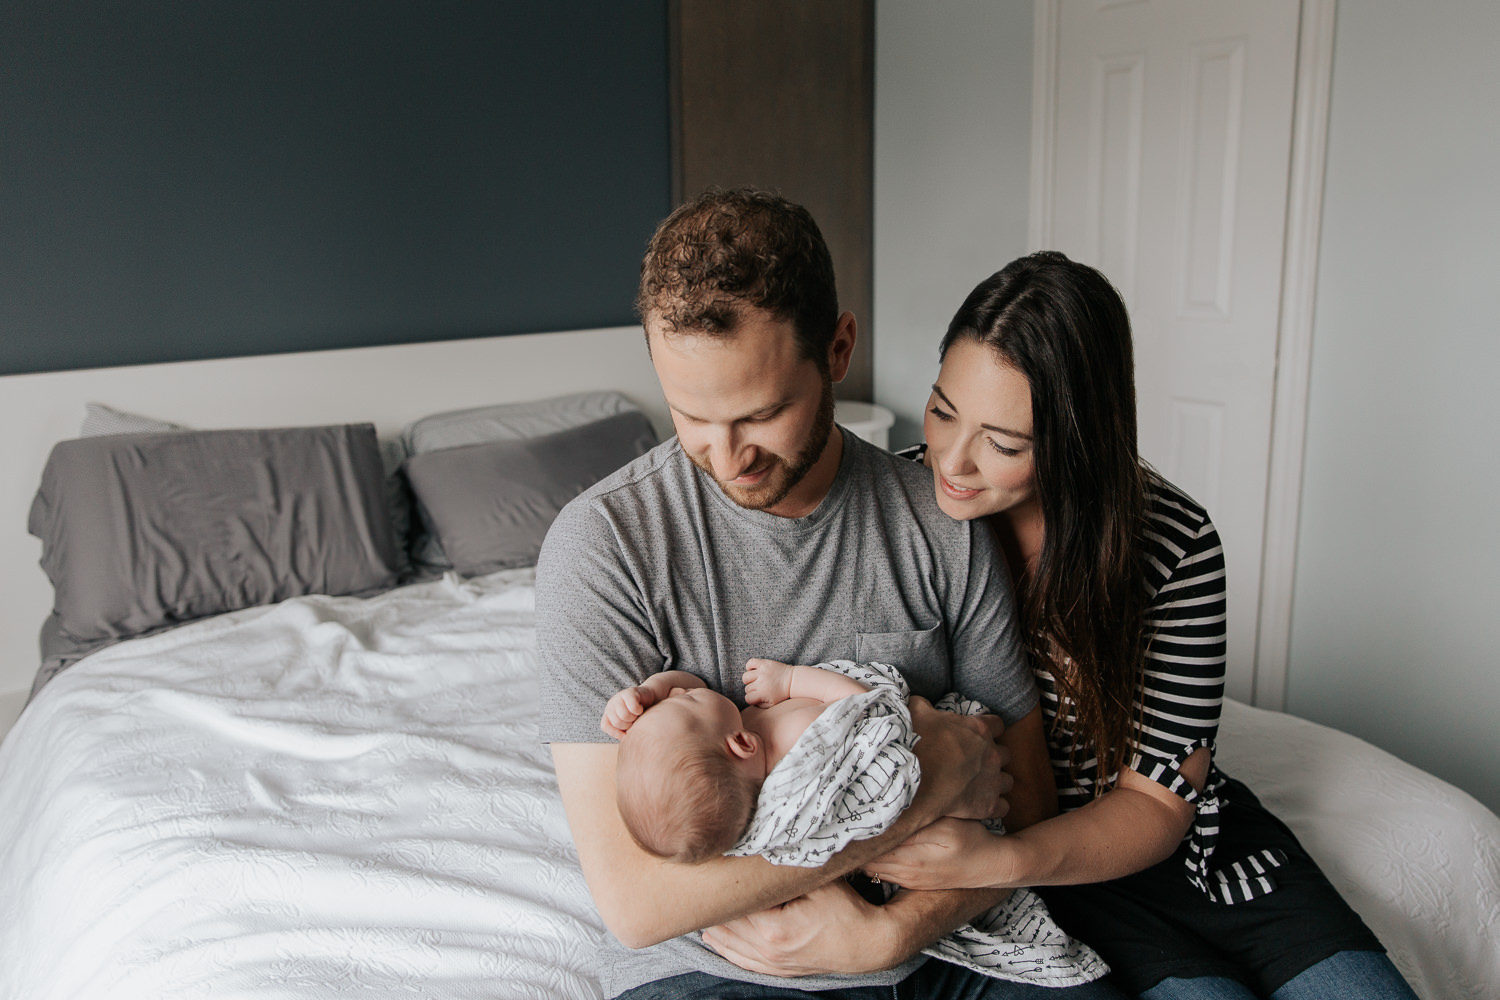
(645, 900)
(1034, 797)
(832, 929)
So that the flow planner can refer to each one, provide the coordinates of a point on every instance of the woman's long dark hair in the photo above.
(1063, 326)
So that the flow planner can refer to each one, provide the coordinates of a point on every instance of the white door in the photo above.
(1171, 129)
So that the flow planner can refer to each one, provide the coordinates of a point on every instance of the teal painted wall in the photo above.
(182, 180)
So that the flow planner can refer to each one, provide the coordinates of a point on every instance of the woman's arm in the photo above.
(645, 900)
(1133, 826)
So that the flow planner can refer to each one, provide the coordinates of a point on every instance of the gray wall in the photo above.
(952, 165)
(1398, 572)
(1398, 569)
(185, 179)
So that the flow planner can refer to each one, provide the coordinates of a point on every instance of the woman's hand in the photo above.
(831, 929)
(948, 854)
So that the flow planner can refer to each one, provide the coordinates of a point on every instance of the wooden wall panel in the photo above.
(781, 94)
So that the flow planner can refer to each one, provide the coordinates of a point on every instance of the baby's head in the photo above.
(688, 775)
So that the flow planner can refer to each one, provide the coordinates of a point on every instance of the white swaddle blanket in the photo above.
(848, 777)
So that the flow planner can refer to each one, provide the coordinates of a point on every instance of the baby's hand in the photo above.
(767, 682)
(624, 708)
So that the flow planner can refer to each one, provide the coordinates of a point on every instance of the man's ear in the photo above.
(841, 348)
(743, 744)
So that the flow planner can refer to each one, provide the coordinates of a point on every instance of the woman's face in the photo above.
(978, 430)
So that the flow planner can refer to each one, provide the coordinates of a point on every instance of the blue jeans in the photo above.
(1355, 975)
(935, 980)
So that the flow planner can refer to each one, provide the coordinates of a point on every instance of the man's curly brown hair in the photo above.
(726, 250)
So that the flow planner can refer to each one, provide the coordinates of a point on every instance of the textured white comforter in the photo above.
(1418, 859)
(331, 796)
(346, 797)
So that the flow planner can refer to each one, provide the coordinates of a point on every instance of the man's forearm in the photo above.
(1034, 797)
(917, 919)
(645, 900)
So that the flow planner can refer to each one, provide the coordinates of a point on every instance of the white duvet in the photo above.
(331, 796)
(347, 797)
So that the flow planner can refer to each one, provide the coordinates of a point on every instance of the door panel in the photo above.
(1171, 140)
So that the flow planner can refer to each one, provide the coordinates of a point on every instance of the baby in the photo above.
(689, 775)
(821, 756)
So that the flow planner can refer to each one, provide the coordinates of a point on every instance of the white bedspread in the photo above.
(347, 797)
(1417, 858)
(331, 796)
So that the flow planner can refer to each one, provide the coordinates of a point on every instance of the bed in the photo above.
(327, 795)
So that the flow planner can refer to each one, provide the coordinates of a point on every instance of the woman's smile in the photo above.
(958, 492)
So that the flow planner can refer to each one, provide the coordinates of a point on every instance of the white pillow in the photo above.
(100, 420)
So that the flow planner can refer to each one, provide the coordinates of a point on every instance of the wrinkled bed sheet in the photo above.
(327, 797)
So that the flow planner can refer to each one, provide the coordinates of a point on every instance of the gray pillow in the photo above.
(511, 421)
(501, 422)
(144, 530)
(491, 504)
(100, 419)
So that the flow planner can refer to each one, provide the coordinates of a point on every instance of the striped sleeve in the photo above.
(1183, 688)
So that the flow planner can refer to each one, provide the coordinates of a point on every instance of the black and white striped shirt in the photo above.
(1183, 690)
(1182, 693)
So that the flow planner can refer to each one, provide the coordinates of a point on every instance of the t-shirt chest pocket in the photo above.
(921, 655)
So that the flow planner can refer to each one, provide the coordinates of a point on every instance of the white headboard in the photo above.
(387, 386)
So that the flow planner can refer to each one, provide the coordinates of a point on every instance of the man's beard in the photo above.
(784, 475)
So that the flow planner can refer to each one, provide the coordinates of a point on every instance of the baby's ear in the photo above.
(743, 744)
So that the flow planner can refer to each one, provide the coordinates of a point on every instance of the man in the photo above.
(763, 530)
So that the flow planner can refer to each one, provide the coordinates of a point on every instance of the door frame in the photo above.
(1299, 285)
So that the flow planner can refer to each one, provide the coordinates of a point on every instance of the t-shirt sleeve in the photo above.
(1183, 689)
(593, 632)
(989, 659)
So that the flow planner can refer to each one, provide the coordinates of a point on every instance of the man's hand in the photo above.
(962, 764)
(811, 934)
(767, 682)
(944, 855)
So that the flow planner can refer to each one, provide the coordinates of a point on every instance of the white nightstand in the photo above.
(868, 420)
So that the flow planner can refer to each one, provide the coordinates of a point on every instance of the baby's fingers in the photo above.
(610, 722)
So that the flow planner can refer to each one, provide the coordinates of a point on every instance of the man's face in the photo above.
(751, 412)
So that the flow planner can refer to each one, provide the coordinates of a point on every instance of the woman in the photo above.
(1172, 871)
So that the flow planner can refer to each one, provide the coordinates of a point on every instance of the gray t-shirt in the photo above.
(654, 568)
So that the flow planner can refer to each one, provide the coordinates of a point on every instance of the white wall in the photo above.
(952, 166)
(1398, 569)
(1398, 573)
